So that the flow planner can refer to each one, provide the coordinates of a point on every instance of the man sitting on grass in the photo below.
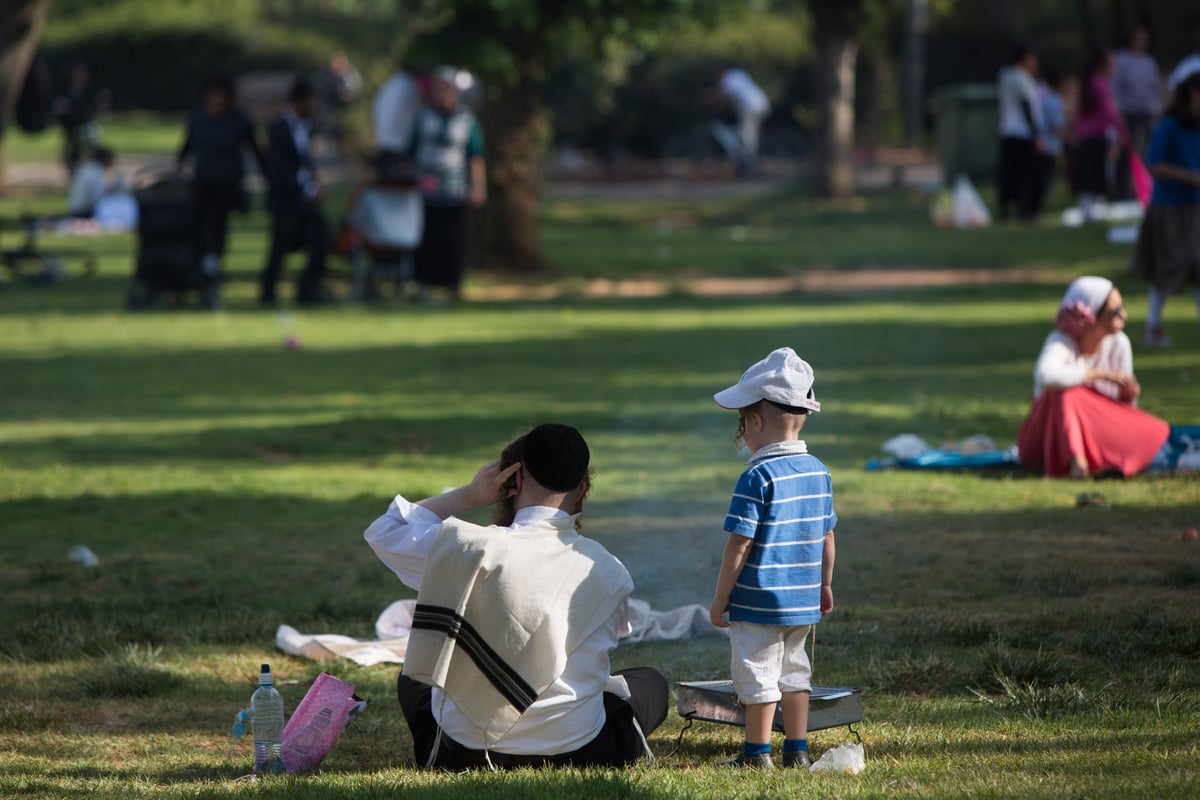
(508, 662)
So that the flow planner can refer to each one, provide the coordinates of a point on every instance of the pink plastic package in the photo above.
(317, 723)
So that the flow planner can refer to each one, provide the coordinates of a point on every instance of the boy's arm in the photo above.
(827, 558)
(737, 550)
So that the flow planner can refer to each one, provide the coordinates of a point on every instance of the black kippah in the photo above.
(556, 456)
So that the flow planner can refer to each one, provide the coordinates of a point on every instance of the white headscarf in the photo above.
(1090, 290)
(1082, 303)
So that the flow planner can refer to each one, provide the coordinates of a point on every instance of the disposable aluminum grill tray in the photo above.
(715, 701)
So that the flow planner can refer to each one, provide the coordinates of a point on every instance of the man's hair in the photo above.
(506, 506)
(104, 155)
(219, 82)
(302, 89)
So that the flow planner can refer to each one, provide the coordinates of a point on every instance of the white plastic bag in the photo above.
(969, 210)
(906, 445)
(846, 757)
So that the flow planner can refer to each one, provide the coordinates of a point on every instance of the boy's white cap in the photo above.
(782, 377)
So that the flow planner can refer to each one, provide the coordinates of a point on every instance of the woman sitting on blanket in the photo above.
(1084, 418)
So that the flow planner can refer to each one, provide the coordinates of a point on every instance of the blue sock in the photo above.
(792, 745)
(752, 749)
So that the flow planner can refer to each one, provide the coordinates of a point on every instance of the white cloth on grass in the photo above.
(393, 625)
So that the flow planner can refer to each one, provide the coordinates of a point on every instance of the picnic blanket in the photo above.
(1180, 453)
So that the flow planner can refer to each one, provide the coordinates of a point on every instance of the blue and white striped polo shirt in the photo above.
(784, 503)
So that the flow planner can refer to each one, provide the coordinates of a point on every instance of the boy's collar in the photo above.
(777, 449)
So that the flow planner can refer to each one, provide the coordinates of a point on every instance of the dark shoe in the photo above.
(796, 759)
(743, 761)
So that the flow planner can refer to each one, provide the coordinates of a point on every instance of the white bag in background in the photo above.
(846, 757)
(969, 210)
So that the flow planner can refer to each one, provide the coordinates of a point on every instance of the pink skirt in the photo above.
(1080, 421)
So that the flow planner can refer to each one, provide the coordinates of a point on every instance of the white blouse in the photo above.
(1061, 365)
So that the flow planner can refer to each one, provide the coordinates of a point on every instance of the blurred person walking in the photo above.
(751, 105)
(1020, 128)
(294, 198)
(393, 114)
(217, 136)
(1100, 134)
(76, 109)
(1051, 92)
(1137, 87)
(447, 150)
(1167, 255)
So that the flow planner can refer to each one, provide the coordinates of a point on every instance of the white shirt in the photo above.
(565, 717)
(1016, 87)
(1061, 366)
(87, 187)
(748, 99)
(393, 113)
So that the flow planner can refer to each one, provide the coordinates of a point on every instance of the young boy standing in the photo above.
(777, 570)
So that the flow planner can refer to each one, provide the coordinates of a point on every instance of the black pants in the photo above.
(617, 744)
(212, 203)
(298, 227)
(1017, 179)
(1091, 171)
(439, 258)
(1046, 167)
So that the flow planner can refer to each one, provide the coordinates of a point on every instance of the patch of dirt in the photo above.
(815, 280)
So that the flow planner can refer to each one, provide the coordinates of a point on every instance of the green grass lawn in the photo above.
(1012, 645)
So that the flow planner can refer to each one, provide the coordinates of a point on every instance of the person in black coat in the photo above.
(217, 134)
(76, 108)
(294, 199)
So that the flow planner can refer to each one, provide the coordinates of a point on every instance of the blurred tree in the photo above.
(21, 24)
(836, 26)
(511, 45)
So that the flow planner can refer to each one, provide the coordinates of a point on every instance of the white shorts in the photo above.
(768, 660)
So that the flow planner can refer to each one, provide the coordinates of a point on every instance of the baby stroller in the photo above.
(380, 231)
(166, 266)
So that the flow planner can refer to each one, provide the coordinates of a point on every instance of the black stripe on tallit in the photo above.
(504, 678)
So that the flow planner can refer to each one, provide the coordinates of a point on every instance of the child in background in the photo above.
(1167, 255)
(1054, 131)
(91, 182)
(776, 577)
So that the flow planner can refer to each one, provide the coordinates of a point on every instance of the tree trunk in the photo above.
(516, 127)
(21, 24)
(836, 23)
(914, 71)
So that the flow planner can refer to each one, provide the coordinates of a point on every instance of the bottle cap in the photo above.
(264, 675)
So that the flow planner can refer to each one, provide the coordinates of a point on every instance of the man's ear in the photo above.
(512, 487)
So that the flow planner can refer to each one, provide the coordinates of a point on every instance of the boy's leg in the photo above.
(795, 726)
(759, 720)
(795, 714)
(796, 683)
(757, 652)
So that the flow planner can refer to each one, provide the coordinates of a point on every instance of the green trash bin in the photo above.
(967, 118)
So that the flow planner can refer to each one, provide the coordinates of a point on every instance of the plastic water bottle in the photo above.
(266, 722)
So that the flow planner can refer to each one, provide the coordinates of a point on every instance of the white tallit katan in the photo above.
(500, 611)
